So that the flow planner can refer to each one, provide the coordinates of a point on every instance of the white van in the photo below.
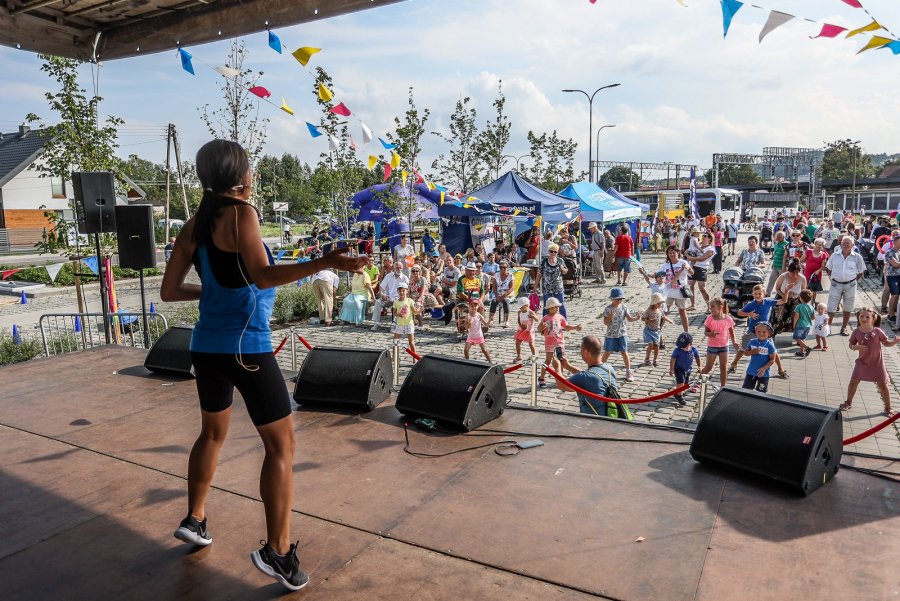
(174, 224)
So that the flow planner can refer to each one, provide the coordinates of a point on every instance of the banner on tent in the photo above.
(482, 229)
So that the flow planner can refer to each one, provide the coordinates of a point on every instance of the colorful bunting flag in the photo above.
(341, 109)
(5, 274)
(286, 108)
(353, 144)
(873, 26)
(853, 3)
(324, 93)
(395, 160)
(53, 270)
(274, 42)
(303, 54)
(92, 264)
(829, 31)
(260, 91)
(877, 41)
(373, 160)
(280, 254)
(729, 9)
(295, 253)
(404, 175)
(228, 72)
(333, 143)
(186, 61)
(442, 196)
(366, 133)
(313, 130)
(894, 46)
(776, 19)
(387, 171)
(386, 145)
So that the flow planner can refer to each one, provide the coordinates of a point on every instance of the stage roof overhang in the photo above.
(123, 28)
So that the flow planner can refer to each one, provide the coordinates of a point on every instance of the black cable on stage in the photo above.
(870, 456)
(505, 445)
(489, 432)
(889, 476)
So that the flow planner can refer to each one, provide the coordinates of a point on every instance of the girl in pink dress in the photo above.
(867, 340)
(527, 320)
(475, 335)
(719, 330)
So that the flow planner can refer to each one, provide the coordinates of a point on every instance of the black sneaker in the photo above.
(283, 568)
(680, 400)
(193, 531)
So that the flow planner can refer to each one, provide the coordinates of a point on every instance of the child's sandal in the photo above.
(888, 412)
(783, 374)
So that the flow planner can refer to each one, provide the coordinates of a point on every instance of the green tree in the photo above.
(460, 168)
(844, 159)
(734, 175)
(621, 178)
(493, 139)
(553, 161)
(150, 176)
(408, 138)
(77, 142)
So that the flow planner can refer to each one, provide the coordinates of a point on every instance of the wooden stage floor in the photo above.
(92, 485)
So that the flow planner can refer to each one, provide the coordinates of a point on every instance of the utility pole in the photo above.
(187, 211)
(169, 133)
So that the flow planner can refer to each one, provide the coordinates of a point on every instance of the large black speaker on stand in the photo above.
(95, 201)
(136, 236)
(458, 393)
(344, 378)
(172, 353)
(795, 443)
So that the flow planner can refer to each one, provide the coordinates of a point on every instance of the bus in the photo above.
(719, 201)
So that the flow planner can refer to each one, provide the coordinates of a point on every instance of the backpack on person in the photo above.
(613, 410)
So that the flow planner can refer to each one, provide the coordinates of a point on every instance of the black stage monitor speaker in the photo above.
(458, 393)
(344, 378)
(136, 236)
(95, 201)
(795, 443)
(172, 353)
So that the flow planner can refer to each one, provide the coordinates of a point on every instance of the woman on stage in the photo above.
(231, 346)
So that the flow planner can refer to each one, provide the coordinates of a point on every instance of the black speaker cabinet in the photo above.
(95, 201)
(795, 443)
(136, 236)
(458, 393)
(172, 353)
(344, 378)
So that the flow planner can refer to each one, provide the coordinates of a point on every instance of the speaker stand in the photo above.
(104, 301)
(144, 310)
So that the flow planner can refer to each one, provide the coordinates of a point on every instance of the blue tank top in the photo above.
(232, 320)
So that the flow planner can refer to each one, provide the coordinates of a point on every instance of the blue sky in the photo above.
(686, 92)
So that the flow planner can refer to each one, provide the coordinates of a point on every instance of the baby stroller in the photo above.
(738, 286)
(571, 279)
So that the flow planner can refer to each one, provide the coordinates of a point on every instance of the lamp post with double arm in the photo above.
(590, 98)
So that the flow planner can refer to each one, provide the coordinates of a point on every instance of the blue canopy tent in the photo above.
(597, 205)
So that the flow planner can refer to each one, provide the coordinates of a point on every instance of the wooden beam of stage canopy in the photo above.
(70, 28)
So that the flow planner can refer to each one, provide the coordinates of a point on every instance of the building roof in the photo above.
(108, 29)
(18, 150)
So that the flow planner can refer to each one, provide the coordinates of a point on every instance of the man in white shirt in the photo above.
(844, 268)
(325, 284)
(387, 294)
(403, 250)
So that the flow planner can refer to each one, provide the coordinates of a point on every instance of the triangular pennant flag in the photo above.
(186, 60)
(274, 42)
(260, 91)
(228, 72)
(333, 143)
(386, 145)
(442, 196)
(295, 253)
(419, 178)
(324, 93)
(873, 26)
(681, 2)
(373, 160)
(894, 47)
(776, 20)
(404, 175)
(313, 130)
(303, 54)
(387, 171)
(353, 144)
(280, 254)
(366, 133)
(729, 9)
(53, 270)
(341, 109)
(829, 31)
(91, 263)
(431, 186)
(876, 42)
(286, 108)
(395, 160)
(853, 3)
(5, 274)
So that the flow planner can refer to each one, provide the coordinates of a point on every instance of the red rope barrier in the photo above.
(513, 368)
(280, 346)
(413, 354)
(305, 343)
(587, 393)
(872, 430)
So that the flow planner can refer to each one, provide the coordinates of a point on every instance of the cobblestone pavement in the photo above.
(820, 378)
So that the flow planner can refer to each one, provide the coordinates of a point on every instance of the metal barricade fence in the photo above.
(69, 332)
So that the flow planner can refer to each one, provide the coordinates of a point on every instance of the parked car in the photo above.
(174, 224)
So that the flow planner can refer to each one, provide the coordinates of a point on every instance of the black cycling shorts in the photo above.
(264, 391)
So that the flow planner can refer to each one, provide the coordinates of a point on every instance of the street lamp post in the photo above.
(597, 159)
(854, 149)
(590, 98)
(515, 158)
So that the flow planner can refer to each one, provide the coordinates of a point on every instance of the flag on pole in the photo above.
(695, 213)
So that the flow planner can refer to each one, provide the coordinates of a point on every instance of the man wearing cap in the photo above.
(844, 268)
(598, 252)
(470, 287)
(387, 292)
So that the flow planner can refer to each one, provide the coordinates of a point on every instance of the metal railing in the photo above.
(69, 332)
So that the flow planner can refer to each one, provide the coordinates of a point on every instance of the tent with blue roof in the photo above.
(510, 193)
(597, 205)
